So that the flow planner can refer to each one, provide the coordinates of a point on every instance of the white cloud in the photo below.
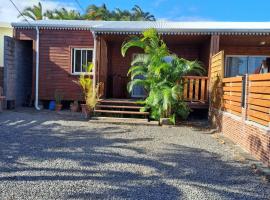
(8, 12)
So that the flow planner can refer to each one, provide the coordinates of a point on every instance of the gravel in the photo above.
(52, 156)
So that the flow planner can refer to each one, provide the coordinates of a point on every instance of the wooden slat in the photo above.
(259, 77)
(233, 107)
(232, 79)
(259, 102)
(195, 77)
(190, 89)
(259, 115)
(232, 98)
(261, 90)
(238, 94)
(259, 108)
(260, 83)
(260, 96)
(259, 121)
(197, 83)
(202, 90)
(232, 89)
(232, 103)
(185, 88)
(121, 107)
(122, 112)
(233, 84)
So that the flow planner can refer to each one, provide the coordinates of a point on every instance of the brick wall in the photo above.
(251, 137)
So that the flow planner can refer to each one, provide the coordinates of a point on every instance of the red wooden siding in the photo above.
(55, 60)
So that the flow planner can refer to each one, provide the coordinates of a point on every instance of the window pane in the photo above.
(84, 62)
(89, 56)
(236, 66)
(77, 60)
(258, 65)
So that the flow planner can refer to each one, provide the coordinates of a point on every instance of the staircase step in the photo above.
(121, 112)
(128, 121)
(118, 101)
(120, 107)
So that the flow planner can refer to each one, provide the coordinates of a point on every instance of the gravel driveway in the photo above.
(49, 156)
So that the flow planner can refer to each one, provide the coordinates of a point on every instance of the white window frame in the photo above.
(236, 55)
(73, 57)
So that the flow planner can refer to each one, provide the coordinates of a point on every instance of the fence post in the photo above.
(245, 94)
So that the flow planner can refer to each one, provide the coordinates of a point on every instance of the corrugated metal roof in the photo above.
(161, 26)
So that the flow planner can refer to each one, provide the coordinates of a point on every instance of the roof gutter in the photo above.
(37, 69)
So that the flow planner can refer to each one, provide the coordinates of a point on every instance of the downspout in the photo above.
(37, 68)
(94, 58)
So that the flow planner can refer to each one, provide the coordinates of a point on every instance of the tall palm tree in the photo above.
(34, 13)
(121, 15)
(139, 15)
(94, 12)
(63, 14)
(162, 72)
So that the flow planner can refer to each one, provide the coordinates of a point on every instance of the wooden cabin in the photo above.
(47, 55)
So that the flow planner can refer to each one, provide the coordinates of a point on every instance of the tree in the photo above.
(139, 15)
(162, 72)
(94, 12)
(34, 13)
(63, 14)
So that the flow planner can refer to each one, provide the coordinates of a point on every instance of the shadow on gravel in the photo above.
(38, 141)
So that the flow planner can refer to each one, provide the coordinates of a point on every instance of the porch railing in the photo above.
(196, 88)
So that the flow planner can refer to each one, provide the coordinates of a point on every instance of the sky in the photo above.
(171, 10)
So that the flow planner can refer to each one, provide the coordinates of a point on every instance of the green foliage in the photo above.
(85, 81)
(91, 93)
(163, 72)
(93, 12)
(58, 95)
(34, 13)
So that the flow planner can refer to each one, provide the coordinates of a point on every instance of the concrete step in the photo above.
(128, 121)
(118, 107)
(121, 112)
(118, 101)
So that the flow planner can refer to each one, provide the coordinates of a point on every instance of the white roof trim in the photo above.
(164, 27)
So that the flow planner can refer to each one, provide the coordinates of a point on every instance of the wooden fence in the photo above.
(195, 88)
(232, 96)
(259, 99)
(253, 97)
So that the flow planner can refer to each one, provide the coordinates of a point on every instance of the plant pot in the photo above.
(74, 108)
(58, 107)
(164, 121)
(87, 112)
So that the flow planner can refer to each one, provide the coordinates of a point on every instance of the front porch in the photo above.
(112, 69)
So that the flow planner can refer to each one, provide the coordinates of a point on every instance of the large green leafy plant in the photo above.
(163, 75)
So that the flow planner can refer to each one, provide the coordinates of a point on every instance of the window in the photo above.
(81, 57)
(240, 65)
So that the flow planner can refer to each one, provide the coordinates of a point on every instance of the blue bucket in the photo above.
(52, 105)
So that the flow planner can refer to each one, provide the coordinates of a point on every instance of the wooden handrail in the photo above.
(195, 88)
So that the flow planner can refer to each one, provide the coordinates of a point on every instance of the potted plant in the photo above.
(58, 95)
(91, 93)
(74, 107)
